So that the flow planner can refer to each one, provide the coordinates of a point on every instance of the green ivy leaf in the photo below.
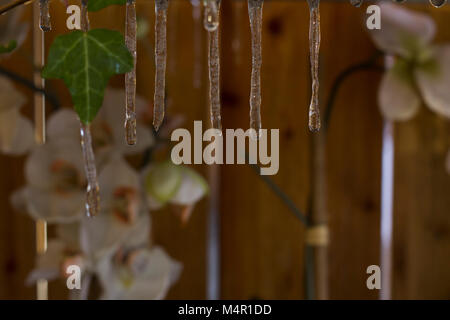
(86, 61)
(95, 5)
(10, 46)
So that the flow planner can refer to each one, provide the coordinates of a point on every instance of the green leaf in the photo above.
(86, 62)
(10, 46)
(95, 5)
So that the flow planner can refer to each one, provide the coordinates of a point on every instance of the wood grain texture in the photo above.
(262, 241)
(421, 265)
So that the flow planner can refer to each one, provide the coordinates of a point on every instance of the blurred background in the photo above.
(261, 244)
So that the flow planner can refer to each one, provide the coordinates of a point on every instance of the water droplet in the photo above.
(211, 15)
(44, 18)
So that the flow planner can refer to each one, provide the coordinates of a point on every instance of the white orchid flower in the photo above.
(122, 217)
(86, 243)
(16, 132)
(56, 184)
(107, 129)
(421, 70)
(138, 274)
(167, 183)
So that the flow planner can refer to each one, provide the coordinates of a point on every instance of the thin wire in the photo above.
(281, 194)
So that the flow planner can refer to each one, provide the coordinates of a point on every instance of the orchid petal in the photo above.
(403, 32)
(116, 173)
(152, 282)
(193, 187)
(64, 125)
(23, 138)
(54, 208)
(396, 97)
(104, 233)
(38, 165)
(434, 81)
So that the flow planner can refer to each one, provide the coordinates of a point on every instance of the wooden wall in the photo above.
(262, 243)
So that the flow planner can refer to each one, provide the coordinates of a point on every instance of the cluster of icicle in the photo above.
(434, 3)
(211, 24)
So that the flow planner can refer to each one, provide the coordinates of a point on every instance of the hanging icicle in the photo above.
(214, 68)
(130, 77)
(314, 44)
(160, 60)
(438, 3)
(92, 191)
(44, 19)
(255, 14)
(84, 24)
(211, 16)
(356, 3)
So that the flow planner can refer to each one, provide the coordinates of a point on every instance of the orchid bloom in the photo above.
(106, 129)
(89, 245)
(16, 132)
(56, 183)
(167, 183)
(123, 215)
(421, 71)
(138, 274)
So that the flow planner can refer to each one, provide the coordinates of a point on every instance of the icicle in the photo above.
(160, 60)
(214, 74)
(255, 15)
(356, 3)
(130, 77)
(44, 18)
(92, 191)
(84, 16)
(314, 43)
(211, 17)
(438, 3)
(196, 16)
